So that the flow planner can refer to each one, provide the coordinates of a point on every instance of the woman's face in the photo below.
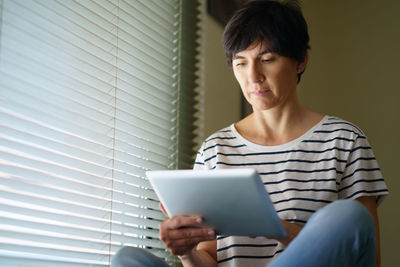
(267, 79)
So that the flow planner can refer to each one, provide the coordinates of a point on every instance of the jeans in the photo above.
(136, 257)
(338, 235)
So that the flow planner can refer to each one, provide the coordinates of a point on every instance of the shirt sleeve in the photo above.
(199, 163)
(362, 175)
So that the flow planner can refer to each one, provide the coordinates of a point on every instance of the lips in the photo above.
(260, 92)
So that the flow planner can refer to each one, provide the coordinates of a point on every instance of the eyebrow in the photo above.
(266, 51)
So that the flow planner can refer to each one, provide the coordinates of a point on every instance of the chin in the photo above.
(262, 107)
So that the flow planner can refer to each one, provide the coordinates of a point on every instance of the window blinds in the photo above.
(92, 94)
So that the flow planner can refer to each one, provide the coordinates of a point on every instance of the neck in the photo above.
(278, 125)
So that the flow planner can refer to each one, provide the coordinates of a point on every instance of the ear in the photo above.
(302, 65)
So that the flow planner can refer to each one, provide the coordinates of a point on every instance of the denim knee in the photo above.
(345, 214)
(132, 256)
(348, 222)
(339, 234)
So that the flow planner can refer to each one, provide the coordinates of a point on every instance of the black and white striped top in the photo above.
(331, 161)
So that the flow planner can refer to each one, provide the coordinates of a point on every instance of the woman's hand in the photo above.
(292, 230)
(181, 234)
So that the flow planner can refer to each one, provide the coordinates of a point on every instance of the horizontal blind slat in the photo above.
(144, 143)
(123, 222)
(164, 8)
(100, 235)
(89, 105)
(58, 30)
(151, 113)
(56, 158)
(99, 87)
(59, 106)
(163, 92)
(163, 84)
(53, 122)
(12, 158)
(17, 258)
(101, 102)
(163, 20)
(135, 49)
(145, 23)
(130, 92)
(71, 57)
(143, 152)
(13, 126)
(148, 35)
(132, 44)
(43, 248)
(74, 189)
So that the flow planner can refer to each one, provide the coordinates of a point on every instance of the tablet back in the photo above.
(233, 201)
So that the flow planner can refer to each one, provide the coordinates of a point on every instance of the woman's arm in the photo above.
(205, 255)
(292, 230)
(195, 246)
(370, 203)
(183, 239)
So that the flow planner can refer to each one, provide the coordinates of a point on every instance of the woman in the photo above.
(306, 160)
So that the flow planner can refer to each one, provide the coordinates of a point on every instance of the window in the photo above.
(92, 94)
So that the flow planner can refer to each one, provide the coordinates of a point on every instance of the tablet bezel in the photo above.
(232, 201)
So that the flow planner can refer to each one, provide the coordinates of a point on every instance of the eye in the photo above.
(266, 60)
(239, 64)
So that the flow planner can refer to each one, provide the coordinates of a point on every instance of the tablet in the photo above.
(232, 201)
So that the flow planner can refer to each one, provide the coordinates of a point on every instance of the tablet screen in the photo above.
(232, 201)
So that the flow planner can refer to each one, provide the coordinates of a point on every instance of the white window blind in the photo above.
(92, 94)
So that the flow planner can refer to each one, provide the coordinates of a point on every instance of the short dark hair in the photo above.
(280, 24)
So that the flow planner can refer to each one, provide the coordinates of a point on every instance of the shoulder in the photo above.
(221, 141)
(224, 138)
(223, 135)
(336, 134)
(337, 127)
(214, 145)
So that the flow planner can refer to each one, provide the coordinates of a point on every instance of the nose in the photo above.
(255, 74)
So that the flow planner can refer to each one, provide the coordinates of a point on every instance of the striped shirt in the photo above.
(331, 161)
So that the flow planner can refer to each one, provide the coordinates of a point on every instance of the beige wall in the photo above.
(222, 92)
(353, 73)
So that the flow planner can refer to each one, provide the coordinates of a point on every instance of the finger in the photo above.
(188, 242)
(179, 251)
(182, 246)
(191, 241)
(163, 209)
(180, 221)
(192, 233)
